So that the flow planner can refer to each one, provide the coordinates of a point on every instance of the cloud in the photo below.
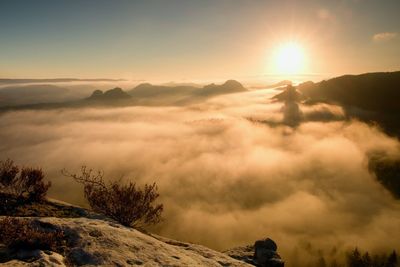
(384, 36)
(226, 180)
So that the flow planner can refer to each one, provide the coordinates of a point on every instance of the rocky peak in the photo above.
(112, 94)
(97, 93)
(233, 84)
(290, 94)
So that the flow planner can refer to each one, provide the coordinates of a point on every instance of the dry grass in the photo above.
(13, 206)
(27, 234)
(25, 183)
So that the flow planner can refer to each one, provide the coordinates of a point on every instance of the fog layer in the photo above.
(229, 172)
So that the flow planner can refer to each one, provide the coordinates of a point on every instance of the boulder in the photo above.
(265, 254)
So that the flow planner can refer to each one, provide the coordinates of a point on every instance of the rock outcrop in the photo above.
(85, 238)
(290, 94)
(263, 254)
(292, 115)
(98, 242)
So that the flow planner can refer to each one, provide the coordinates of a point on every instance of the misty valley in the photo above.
(313, 166)
(199, 133)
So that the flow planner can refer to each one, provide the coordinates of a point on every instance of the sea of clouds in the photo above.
(229, 170)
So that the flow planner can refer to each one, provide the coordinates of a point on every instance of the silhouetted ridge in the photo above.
(143, 94)
(112, 94)
(143, 85)
(233, 84)
(289, 94)
(149, 90)
(368, 97)
(116, 93)
(371, 91)
(97, 94)
(230, 86)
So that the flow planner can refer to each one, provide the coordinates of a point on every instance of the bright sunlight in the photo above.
(289, 59)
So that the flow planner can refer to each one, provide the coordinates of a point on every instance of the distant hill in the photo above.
(109, 95)
(369, 97)
(143, 94)
(147, 89)
(289, 94)
(371, 91)
(230, 86)
(149, 94)
(34, 94)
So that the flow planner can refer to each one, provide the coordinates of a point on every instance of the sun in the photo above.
(289, 59)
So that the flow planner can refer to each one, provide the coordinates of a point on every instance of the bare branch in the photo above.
(126, 203)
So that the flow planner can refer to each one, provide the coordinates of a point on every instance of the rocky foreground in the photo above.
(98, 242)
(93, 240)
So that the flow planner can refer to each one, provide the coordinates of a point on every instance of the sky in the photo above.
(196, 40)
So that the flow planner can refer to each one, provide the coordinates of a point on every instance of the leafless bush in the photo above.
(125, 203)
(23, 183)
(25, 234)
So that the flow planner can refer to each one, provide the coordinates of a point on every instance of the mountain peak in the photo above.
(230, 86)
(290, 94)
(143, 85)
(97, 93)
(112, 94)
(232, 83)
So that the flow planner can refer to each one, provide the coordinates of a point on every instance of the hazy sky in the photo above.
(194, 40)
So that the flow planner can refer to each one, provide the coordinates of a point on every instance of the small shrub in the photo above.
(125, 203)
(25, 183)
(8, 173)
(25, 234)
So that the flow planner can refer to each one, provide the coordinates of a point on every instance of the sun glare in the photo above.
(289, 59)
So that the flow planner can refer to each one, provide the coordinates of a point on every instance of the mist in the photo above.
(229, 170)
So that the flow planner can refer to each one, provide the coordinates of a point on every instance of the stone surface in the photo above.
(95, 242)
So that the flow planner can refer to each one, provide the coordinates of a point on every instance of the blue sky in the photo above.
(188, 39)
